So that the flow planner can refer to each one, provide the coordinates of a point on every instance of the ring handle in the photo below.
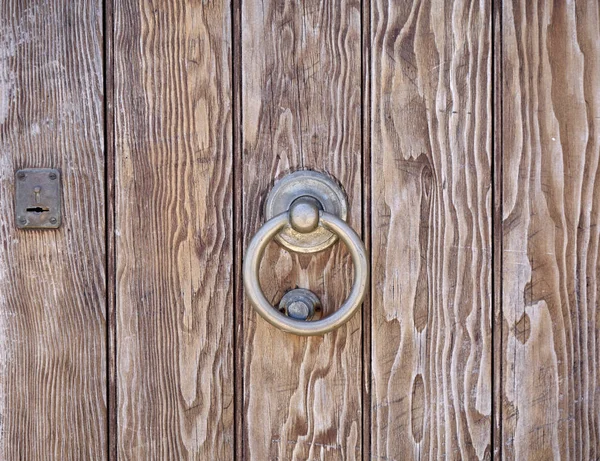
(254, 254)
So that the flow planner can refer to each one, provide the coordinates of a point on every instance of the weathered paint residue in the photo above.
(7, 76)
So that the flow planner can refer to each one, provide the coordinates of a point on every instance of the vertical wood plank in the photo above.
(301, 108)
(551, 196)
(431, 230)
(174, 229)
(52, 283)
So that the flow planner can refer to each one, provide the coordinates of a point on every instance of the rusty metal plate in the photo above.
(38, 199)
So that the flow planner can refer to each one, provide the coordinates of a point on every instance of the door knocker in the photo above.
(306, 213)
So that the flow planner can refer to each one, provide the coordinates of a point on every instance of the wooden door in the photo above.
(465, 135)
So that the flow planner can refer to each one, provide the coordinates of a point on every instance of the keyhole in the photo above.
(37, 209)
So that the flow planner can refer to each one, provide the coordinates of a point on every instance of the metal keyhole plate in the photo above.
(321, 187)
(38, 198)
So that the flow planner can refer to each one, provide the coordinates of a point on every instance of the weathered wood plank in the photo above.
(174, 229)
(301, 108)
(551, 199)
(431, 230)
(52, 283)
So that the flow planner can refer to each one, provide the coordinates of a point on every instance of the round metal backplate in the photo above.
(325, 190)
(300, 304)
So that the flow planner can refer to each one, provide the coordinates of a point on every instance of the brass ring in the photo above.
(254, 255)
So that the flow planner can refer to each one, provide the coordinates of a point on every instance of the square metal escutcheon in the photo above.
(38, 199)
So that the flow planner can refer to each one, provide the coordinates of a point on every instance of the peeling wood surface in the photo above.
(174, 230)
(431, 230)
(52, 283)
(301, 108)
(551, 194)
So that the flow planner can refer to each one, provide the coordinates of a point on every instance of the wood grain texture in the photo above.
(551, 199)
(431, 230)
(174, 230)
(52, 283)
(301, 108)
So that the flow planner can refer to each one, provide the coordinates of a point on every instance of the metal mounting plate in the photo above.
(325, 189)
(300, 304)
(38, 200)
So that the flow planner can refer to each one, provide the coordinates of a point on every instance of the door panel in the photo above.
(301, 109)
(465, 135)
(52, 282)
(174, 232)
(550, 128)
(431, 230)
